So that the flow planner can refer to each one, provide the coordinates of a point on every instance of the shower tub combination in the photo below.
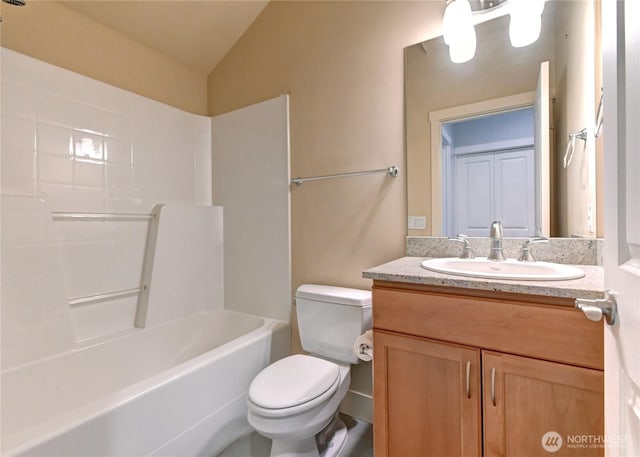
(116, 339)
(175, 389)
(174, 385)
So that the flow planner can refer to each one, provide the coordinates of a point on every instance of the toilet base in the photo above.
(309, 446)
(337, 441)
(300, 448)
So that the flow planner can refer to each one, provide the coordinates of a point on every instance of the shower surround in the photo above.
(84, 164)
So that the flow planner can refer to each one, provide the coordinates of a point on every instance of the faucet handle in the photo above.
(466, 253)
(525, 252)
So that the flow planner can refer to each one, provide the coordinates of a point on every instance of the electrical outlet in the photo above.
(417, 223)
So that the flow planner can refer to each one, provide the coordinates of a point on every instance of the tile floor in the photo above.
(359, 442)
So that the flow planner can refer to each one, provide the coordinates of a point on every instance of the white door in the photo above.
(541, 144)
(622, 223)
(495, 186)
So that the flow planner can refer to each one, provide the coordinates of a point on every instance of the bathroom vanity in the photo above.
(477, 367)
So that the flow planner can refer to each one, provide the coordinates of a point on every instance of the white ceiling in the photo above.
(197, 33)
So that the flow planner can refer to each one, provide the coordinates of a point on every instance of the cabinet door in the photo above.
(534, 408)
(426, 398)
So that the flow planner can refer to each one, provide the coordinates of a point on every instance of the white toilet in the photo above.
(295, 400)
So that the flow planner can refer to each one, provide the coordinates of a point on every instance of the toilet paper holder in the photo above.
(364, 348)
(595, 309)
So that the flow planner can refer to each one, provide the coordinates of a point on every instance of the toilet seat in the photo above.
(292, 385)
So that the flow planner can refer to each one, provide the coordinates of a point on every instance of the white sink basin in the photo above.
(509, 269)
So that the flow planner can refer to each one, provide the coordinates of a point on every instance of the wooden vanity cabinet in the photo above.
(457, 374)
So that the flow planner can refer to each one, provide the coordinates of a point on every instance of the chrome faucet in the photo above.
(495, 233)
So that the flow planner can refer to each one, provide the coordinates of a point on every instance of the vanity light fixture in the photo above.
(460, 16)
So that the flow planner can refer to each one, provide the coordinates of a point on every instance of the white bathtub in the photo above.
(177, 389)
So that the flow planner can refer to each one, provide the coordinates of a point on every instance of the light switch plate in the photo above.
(417, 223)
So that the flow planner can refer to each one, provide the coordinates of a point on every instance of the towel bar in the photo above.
(391, 171)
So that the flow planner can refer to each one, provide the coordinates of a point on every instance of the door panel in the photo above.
(515, 195)
(474, 194)
(621, 63)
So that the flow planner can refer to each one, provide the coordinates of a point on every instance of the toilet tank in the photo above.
(331, 318)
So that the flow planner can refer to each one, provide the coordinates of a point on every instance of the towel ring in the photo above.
(571, 146)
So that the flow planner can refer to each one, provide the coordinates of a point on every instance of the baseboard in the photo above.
(358, 405)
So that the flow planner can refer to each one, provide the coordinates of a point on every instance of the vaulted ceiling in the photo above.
(196, 33)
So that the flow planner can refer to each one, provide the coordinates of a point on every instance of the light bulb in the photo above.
(524, 31)
(457, 16)
(526, 22)
(458, 31)
(463, 48)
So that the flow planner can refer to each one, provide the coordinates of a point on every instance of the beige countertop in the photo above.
(409, 270)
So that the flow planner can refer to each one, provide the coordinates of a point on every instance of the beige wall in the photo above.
(50, 32)
(575, 110)
(342, 64)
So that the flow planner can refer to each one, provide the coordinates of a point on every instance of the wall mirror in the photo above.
(486, 138)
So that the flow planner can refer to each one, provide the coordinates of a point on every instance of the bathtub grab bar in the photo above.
(147, 267)
(91, 299)
(391, 171)
(103, 217)
(70, 216)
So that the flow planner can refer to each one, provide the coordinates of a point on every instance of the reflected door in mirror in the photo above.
(489, 174)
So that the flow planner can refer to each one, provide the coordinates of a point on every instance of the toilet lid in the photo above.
(292, 381)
